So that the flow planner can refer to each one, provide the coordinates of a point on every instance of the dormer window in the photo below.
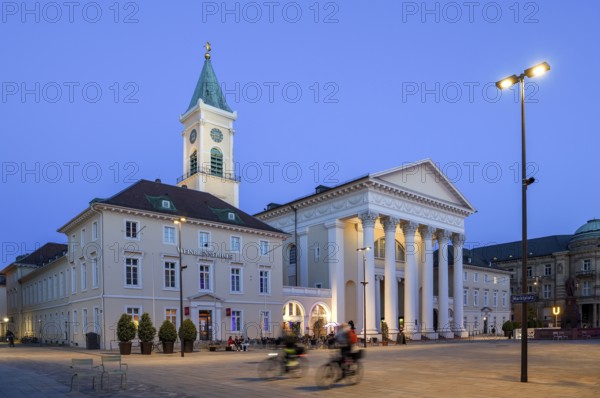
(231, 216)
(166, 204)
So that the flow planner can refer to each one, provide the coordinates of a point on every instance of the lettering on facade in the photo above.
(206, 253)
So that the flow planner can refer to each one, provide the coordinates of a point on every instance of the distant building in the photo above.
(552, 261)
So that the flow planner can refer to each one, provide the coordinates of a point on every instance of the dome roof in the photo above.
(589, 230)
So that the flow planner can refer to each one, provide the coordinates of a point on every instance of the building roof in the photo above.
(182, 202)
(537, 247)
(469, 258)
(208, 89)
(589, 230)
(43, 255)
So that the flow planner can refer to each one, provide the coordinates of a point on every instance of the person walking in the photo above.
(11, 338)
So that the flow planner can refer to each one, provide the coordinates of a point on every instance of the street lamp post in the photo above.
(364, 283)
(179, 222)
(505, 83)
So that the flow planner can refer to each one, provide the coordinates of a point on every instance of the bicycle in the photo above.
(277, 364)
(157, 346)
(349, 368)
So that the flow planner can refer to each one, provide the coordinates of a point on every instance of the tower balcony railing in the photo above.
(207, 171)
(586, 273)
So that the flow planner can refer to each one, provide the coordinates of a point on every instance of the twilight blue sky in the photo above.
(325, 92)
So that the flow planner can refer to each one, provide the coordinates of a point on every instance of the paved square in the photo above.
(485, 368)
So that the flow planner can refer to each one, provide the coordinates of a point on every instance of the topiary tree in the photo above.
(146, 330)
(187, 331)
(385, 331)
(125, 329)
(318, 327)
(167, 332)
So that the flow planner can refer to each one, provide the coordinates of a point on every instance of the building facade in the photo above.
(402, 215)
(559, 268)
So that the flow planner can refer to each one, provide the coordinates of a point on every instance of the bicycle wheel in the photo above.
(354, 373)
(300, 368)
(157, 347)
(327, 375)
(269, 368)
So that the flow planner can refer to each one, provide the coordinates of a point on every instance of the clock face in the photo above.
(216, 135)
(193, 136)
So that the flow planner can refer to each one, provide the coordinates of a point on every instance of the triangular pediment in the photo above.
(205, 297)
(426, 179)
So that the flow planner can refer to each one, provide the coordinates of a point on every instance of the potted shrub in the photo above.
(385, 333)
(507, 328)
(125, 333)
(167, 334)
(146, 333)
(187, 335)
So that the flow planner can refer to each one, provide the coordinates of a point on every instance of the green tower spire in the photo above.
(208, 88)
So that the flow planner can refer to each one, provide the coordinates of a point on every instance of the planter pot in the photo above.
(146, 347)
(188, 346)
(168, 347)
(125, 348)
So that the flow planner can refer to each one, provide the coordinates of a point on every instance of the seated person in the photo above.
(230, 342)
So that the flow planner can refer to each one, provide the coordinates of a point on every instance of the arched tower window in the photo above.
(194, 163)
(379, 251)
(216, 162)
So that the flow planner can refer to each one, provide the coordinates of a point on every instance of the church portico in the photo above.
(403, 220)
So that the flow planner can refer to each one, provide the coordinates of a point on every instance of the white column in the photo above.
(378, 279)
(335, 236)
(368, 222)
(410, 282)
(426, 233)
(458, 241)
(390, 280)
(443, 327)
(302, 250)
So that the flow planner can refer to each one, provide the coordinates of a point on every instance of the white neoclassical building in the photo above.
(403, 215)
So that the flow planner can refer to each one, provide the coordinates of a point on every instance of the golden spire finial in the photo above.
(207, 54)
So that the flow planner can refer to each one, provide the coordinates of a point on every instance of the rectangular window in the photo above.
(96, 318)
(317, 254)
(485, 278)
(235, 243)
(75, 322)
(132, 272)
(203, 239)
(95, 230)
(171, 315)
(236, 280)
(475, 277)
(83, 276)
(465, 297)
(82, 238)
(465, 276)
(61, 285)
(135, 314)
(73, 243)
(587, 265)
(264, 247)
(485, 299)
(265, 320)
(495, 280)
(476, 298)
(587, 288)
(529, 272)
(264, 282)
(547, 291)
(236, 321)
(548, 269)
(170, 275)
(73, 280)
(84, 319)
(495, 299)
(169, 235)
(204, 272)
(55, 287)
(504, 300)
(131, 229)
(95, 273)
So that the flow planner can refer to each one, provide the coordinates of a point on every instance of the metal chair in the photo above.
(83, 368)
(112, 365)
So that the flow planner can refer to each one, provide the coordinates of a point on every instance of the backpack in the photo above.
(352, 338)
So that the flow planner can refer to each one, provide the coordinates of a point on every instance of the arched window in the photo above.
(194, 163)
(379, 251)
(216, 162)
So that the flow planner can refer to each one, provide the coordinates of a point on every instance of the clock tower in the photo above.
(208, 139)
